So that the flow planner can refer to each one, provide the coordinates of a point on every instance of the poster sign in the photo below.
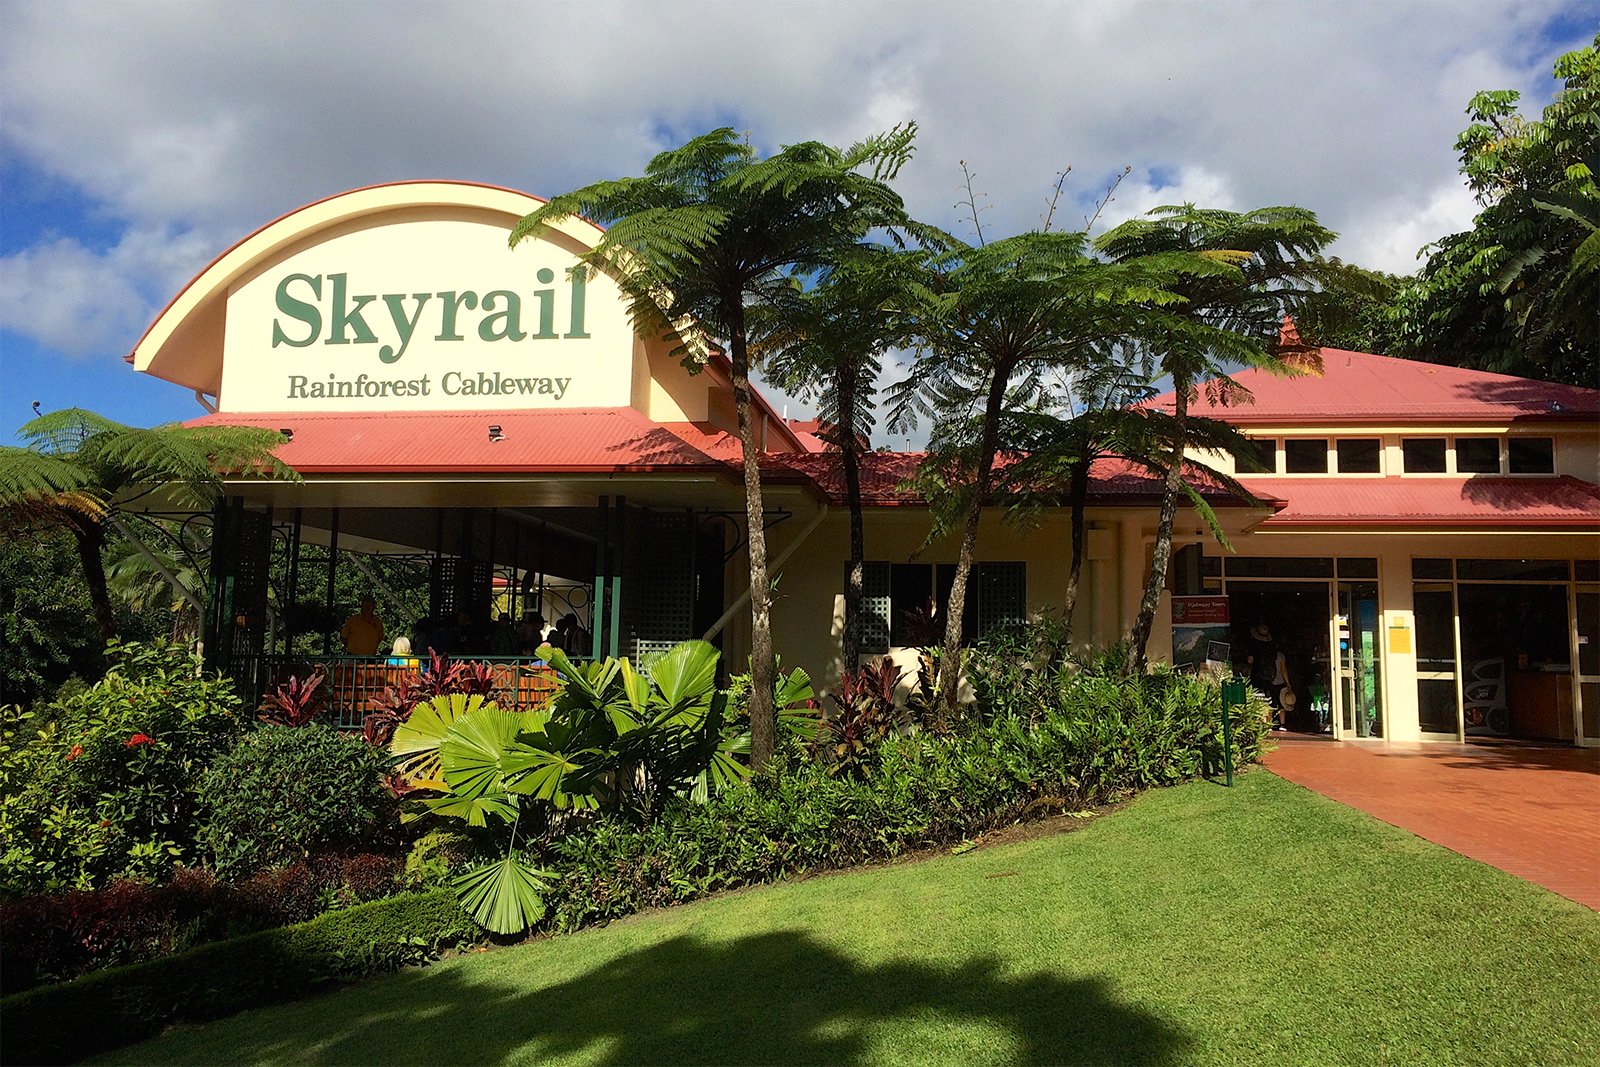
(1200, 626)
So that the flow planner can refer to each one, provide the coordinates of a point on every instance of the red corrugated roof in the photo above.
(1112, 482)
(723, 446)
(613, 440)
(1479, 501)
(1358, 387)
(580, 440)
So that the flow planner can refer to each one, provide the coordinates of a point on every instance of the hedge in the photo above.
(123, 1005)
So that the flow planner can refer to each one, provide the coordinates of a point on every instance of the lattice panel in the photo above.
(459, 584)
(665, 579)
(1002, 595)
(643, 652)
(252, 565)
(876, 607)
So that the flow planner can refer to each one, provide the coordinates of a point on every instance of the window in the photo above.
(1305, 457)
(1256, 457)
(1478, 455)
(1279, 566)
(1358, 568)
(903, 603)
(1531, 455)
(1423, 455)
(1431, 569)
(1513, 570)
(1360, 455)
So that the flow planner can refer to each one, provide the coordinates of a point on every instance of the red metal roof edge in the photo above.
(1240, 416)
(1528, 522)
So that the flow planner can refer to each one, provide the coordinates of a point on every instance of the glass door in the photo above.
(1588, 637)
(1438, 690)
(1360, 711)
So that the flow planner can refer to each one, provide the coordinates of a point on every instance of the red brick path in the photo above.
(1532, 811)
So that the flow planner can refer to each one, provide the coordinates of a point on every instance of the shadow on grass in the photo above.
(779, 997)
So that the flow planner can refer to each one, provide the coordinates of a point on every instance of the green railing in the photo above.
(354, 686)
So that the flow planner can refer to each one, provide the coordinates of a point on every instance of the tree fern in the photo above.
(710, 230)
(79, 467)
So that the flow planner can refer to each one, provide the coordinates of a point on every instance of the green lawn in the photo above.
(1197, 925)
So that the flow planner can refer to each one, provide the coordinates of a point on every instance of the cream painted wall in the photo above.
(808, 613)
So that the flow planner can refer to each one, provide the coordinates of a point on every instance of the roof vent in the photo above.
(287, 432)
(494, 432)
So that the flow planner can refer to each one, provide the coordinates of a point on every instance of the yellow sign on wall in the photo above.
(1399, 637)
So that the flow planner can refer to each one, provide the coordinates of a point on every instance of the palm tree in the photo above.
(1228, 319)
(992, 321)
(828, 343)
(79, 468)
(711, 229)
(1058, 449)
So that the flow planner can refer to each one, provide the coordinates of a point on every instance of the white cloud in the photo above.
(210, 119)
(84, 303)
(1392, 232)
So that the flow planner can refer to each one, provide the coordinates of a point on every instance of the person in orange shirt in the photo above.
(363, 632)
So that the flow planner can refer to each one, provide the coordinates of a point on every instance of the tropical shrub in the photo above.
(283, 793)
(1086, 747)
(613, 738)
(107, 786)
(864, 715)
(441, 678)
(295, 702)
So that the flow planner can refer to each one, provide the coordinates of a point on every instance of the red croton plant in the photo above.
(442, 678)
(295, 702)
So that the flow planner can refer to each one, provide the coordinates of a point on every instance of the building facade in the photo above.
(1423, 552)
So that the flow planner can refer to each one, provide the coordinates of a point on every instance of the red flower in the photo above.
(139, 739)
(74, 752)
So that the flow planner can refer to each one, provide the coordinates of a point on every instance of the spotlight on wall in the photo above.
(495, 434)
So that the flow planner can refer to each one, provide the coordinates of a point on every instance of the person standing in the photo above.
(363, 632)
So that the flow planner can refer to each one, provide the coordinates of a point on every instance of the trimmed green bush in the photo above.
(64, 1023)
(53, 937)
(285, 792)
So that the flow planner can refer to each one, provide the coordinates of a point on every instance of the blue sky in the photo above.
(138, 141)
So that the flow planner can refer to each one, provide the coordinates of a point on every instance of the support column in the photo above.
(333, 566)
(1397, 635)
(602, 563)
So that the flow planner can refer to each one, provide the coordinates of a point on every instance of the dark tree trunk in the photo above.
(763, 716)
(1077, 502)
(955, 608)
(1161, 555)
(91, 541)
(854, 582)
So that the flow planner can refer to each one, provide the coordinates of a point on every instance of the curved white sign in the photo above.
(425, 315)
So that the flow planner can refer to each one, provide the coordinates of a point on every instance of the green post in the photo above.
(1233, 696)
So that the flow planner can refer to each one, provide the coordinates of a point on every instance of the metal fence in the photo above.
(353, 686)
